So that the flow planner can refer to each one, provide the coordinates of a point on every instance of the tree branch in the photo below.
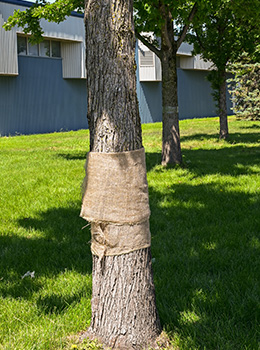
(148, 44)
(199, 41)
(186, 27)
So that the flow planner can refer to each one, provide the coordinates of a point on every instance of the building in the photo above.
(43, 87)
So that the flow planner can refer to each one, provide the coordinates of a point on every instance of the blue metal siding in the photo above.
(195, 95)
(150, 101)
(195, 99)
(39, 100)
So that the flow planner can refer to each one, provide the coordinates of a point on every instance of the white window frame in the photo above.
(39, 48)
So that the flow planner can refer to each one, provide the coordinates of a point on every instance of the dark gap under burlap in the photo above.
(116, 202)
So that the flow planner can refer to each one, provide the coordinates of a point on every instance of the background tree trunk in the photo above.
(124, 313)
(223, 134)
(171, 147)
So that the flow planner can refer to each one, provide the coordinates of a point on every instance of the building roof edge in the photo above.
(29, 4)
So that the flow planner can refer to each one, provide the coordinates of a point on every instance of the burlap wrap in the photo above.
(116, 202)
(116, 239)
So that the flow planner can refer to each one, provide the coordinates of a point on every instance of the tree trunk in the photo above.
(171, 147)
(124, 314)
(223, 134)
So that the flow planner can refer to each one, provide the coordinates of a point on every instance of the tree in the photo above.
(123, 304)
(124, 313)
(244, 86)
(162, 18)
(222, 30)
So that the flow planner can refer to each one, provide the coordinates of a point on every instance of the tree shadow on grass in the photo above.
(206, 248)
(57, 303)
(234, 161)
(76, 155)
(253, 126)
(205, 257)
(205, 241)
(233, 137)
(55, 243)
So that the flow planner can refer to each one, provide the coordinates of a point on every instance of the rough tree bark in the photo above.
(171, 146)
(223, 122)
(124, 314)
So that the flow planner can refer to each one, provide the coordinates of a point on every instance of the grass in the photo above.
(205, 228)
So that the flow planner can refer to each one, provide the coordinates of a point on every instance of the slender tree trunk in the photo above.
(171, 147)
(223, 134)
(124, 314)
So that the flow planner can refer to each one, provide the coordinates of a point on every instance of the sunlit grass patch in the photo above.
(205, 238)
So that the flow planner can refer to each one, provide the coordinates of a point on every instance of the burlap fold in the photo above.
(116, 202)
(117, 239)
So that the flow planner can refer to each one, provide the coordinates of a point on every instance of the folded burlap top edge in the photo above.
(115, 223)
(115, 153)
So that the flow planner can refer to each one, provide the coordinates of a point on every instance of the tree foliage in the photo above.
(29, 19)
(221, 30)
(222, 27)
(151, 16)
(245, 86)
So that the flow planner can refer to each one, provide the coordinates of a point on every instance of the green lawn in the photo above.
(205, 228)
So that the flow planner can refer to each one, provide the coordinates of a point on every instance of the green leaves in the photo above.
(221, 30)
(224, 28)
(147, 16)
(244, 87)
(150, 15)
(29, 20)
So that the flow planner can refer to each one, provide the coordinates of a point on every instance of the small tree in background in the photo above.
(221, 30)
(245, 86)
(169, 22)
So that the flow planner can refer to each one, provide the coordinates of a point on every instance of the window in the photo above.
(22, 45)
(33, 50)
(55, 46)
(146, 58)
(47, 48)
